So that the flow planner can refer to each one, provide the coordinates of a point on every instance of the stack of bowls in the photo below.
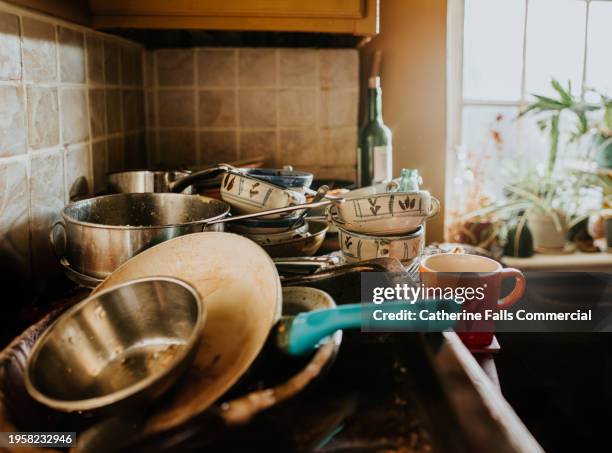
(259, 189)
(390, 224)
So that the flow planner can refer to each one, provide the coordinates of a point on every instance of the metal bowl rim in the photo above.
(74, 221)
(303, 225)
(258, 222)
(111, 398)
(322, 231)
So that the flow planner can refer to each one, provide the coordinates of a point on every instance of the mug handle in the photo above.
(519, 287)
(435, 209)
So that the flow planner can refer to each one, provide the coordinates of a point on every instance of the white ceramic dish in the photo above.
(247, 195)
(393, 213)
(359, 247)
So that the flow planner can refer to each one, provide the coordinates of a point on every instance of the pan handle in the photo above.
(297, 207)
(181, 184)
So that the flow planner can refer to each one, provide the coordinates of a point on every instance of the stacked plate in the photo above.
(281, 235)
(383, 225)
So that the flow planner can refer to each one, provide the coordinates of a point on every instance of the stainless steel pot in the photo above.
(101, 233)
(146, 181)
(143, 181)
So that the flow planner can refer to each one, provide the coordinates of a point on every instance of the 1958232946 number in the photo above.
(37, 439)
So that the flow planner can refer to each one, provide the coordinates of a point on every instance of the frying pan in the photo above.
(99, 234)
(241, 288)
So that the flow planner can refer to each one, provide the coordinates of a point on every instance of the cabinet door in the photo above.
(334, 16)
(232, 8)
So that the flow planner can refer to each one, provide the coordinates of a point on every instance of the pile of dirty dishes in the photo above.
(260, 189)
(389, 224)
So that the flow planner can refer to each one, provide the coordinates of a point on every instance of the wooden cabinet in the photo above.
(359, 17)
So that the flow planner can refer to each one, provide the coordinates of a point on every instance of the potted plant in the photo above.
(532, 198)
(548, 223)
(546, 198)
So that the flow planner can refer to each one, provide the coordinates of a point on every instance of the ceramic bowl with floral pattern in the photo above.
(359, 247)
(246, 195)
(384, 214)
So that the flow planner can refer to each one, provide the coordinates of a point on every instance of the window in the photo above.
(500, 53)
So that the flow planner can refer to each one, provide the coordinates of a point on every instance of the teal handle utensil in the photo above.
(298, 335)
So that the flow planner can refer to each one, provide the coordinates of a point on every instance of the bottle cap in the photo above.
(374, 82)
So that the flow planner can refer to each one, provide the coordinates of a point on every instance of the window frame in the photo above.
(454, 81)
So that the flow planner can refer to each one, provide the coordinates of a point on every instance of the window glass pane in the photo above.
(490, 130)
(599, 58)
(534, 142)
(489, 138)
(555, 44)
(492, 49)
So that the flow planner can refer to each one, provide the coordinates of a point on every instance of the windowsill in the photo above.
(577, 261)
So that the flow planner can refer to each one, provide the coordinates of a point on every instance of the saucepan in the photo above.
(149, 181)
(99, 234)
(146, 181)
(143, 181)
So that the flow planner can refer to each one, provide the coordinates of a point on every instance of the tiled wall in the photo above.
(295, 106)
(71, 106)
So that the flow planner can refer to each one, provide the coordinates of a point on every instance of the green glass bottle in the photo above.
(374, 153)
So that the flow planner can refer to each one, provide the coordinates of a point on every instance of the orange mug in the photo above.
(480, 278)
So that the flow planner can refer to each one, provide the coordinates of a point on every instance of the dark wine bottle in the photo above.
(374, 153)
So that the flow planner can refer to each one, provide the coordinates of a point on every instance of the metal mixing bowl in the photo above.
(117, 349)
